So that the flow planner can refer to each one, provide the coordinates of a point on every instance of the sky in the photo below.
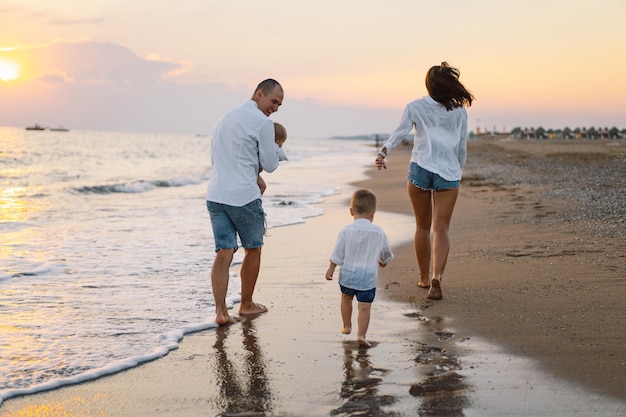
(348, 67)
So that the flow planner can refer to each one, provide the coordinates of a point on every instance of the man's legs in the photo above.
(249, 274)
(219, 282)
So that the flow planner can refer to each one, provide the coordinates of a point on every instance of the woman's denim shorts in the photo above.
(426, 180)
(229, 221)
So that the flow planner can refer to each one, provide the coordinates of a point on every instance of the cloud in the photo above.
(106, 86)
(76, 22)
(56, 77)
(91, 62)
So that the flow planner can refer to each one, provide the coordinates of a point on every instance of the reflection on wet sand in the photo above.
(432, 386)
(244, 388)
(361, 384)
(443, 392)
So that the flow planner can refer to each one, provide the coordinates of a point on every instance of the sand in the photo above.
(532, 321)
(536, 267)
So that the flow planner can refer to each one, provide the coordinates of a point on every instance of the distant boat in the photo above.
(35, 127)
(59, 129)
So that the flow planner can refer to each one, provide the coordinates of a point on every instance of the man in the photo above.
(243, 144)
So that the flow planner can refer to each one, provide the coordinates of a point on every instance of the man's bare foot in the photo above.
(346, 330)
(224, 319)
(362, 341)
(252, 308)
(435, 290)
(423, 284)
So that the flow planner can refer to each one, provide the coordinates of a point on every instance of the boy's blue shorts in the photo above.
(366, 296)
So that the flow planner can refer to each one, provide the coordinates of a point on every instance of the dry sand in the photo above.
(532, 321)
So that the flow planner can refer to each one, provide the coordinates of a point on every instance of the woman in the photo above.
(437, 161)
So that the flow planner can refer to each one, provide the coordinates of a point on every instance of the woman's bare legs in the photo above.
(346, 313)
(422, 208)
(444, 202)
(432, 209)
(443, 206)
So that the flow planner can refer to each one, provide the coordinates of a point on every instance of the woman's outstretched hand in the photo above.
(380, 162)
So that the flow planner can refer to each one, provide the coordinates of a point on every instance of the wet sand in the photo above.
(532, 321)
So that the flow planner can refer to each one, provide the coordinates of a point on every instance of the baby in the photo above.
(280, 136)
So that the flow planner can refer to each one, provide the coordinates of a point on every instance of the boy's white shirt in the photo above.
(360, 245)
(281, 153)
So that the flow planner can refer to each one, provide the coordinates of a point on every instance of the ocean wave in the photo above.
(140, 186)
(41, 270)
(74, 375)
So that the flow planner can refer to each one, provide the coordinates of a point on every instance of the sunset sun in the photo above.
(9, 70)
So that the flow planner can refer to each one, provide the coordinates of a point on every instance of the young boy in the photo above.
(280, 136)
(361, 247)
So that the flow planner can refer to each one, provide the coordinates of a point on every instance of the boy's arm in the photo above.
(330, 271)
(386, 255)
(281, 153)
(268, 158)
(261, 183)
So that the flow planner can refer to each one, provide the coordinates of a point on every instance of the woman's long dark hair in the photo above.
(443, 85)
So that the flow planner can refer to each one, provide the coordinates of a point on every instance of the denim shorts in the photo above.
(426, 180)
(229, 221)
(366, 296)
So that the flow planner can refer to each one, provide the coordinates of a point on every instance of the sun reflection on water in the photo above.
(72, 407)
(13, 207)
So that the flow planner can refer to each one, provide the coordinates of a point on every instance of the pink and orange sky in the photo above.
(348, 67)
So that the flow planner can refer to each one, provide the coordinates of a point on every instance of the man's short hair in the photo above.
(267, 86)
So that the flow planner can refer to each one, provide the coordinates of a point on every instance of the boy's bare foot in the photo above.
(253, 308)
(435, 290)
(423, 284)
(346, 330)
(362, 341)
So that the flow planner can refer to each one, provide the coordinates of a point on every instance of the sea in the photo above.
(106, 244)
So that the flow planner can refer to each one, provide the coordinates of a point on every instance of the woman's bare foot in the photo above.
(252, 308)
(423, 284)
(362, 341)
(346, 330)
(435, 290)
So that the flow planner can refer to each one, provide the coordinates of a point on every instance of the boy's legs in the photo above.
(346, 313)
(363, 323)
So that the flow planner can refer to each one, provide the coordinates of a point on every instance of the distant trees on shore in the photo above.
(567, 133)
